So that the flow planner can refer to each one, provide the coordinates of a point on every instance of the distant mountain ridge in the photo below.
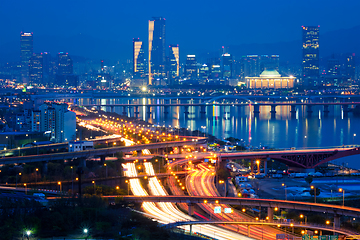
(339, 41)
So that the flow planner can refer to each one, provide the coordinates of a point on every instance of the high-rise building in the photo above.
(26, 52)
(47, 69)
(333, 67)
(174, 61)
(226, 65)
(138, 58)
(36, 69)
(156, 49)
(269, 62)
(310, 53)
(350, 67)
(65, 64)
(191, 67)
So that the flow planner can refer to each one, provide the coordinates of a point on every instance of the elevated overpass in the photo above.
(304, 158)
(102, 152)
(269, 203)
(319, 227)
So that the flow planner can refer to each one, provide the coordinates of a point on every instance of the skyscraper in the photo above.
(174, 58)
(156, 49)
(138, 58)
(36, 69)
(26, 52)
(65, 64)
(310, 53)
(191, 67)
(226, 65)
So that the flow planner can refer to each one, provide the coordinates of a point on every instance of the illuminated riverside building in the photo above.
(226, 65)
(138, 58)
(174, 59)
(26, 52)
(156, 60)
(270, 79)
(310, 53)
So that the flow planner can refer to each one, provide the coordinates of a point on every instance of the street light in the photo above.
(25, 188)
(59, 183)
(343, 191)
(93, 182)
(302, 216)
(285, 191)
(105, 169)
(354, 138)
(36, 173)
(312, 187)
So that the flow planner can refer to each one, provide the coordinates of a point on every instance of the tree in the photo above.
(309, 179)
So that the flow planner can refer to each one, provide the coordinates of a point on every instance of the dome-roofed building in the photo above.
(270, 79)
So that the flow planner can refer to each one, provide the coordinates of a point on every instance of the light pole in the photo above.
(343, 191)
(303, 216)
(36, 172)
(86, 232)
(19, 150)
(127, 181)
(105, 170)
(354, 138)
(59, 183)
(204, 127)
(72, 180)
(312, 187)
(25, 188)
(93, 182)
(285, 191)
(16, 179)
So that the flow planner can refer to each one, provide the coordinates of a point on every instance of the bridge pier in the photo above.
(326, 109)
(112, 109)
(136, 110)
(336, 221)
(265, 166)
(252, 166)
(256, 109)
(309, 109)
(45, 168)
(202, 109)
(248, 230)
(186, 111)
(166, 109)
(102, 159)
(148, 110)
(270, 213)
(293, 108)
(190, 229)
(191, 209)
(273, 109)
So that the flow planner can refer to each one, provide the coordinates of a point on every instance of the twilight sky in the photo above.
(194, 25)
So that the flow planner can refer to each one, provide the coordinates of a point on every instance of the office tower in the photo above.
(251, 65)
(174, 61)
(138, 58)
(350, 67)
(226, 65)
(26, 52)
(333, 67)
(102, 66)
(204, 73)
(269, 62)
(214, 68)
(310, 53)
(47, 69)
(156, 49)
(191, 67)
(65, 64)
(36, 69)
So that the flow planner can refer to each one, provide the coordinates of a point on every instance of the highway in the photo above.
(201, 183)
(167, 212)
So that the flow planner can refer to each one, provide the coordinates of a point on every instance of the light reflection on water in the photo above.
(280, 130)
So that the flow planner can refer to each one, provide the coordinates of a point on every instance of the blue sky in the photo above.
(191, 24)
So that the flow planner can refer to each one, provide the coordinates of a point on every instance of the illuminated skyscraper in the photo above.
(36, 69)
(226, 65)
(138, 58)
(191, 67)
(174, 59)
(156, 49)
(310, 54)
(26, 52)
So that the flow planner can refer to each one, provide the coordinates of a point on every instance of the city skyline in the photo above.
(225, 28)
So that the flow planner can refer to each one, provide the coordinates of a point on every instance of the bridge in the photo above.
(305, 158)
(102, 152)
(319, 227)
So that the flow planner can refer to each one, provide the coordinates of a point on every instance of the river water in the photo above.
(282, 130)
